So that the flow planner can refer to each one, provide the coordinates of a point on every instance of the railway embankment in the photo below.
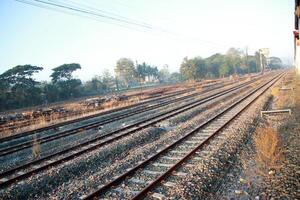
(267, 166)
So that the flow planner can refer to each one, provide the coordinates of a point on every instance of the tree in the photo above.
(108, 81)
(175, 77)
(164, 74)
(62, 77)
(99, 84)
(142, 70)
(188, 69)
(94, 86)
(152, 73)
(213, 64)
(260, 59)
(50, 91)
(18, 88)
(125, 72)
(64, 72)
(145, 72)
(275, 63)
(233, 57)
(225, 70)
(193, 69)
(252, 64)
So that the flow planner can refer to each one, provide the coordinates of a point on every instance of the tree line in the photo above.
(18, 88)
(219, 65)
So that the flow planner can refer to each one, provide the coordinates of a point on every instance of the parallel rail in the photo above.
(121, 184)
(24, 123)
(26, 170)
(108, 112)
(28, 144)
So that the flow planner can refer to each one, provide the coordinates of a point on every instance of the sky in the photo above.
(178, 28)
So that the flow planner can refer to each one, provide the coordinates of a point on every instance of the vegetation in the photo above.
(268, 153)
(218, 65)
(18, 88)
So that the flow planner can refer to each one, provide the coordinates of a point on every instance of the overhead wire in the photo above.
(92, 13)
(75, 8)
(73, 3)
(81, 15)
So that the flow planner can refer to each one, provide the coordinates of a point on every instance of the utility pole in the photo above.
(261, 62)
(246, 60)
(263, 53)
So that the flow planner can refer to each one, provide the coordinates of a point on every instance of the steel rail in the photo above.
(172, 94)
(31, 132)
(157, 181)
(141, 165)
(109, 119)
(24, 123)
(28, 144)
(112, 111)
(90, 146)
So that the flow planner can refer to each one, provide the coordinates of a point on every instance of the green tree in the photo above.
(18, 88)
(50, 91)
(164, 74)
(233, 59)
(152, 73)
(64, 72)
(193, 69)
(225, 70)
(145, 71)
(62, 77)
(142, 71)
(108, 80)
(275, 63)
(175, 77)
(213, 64)
(93, 86)
(252, 64)
(125, 72)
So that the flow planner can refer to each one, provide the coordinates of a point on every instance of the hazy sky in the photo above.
(37, 36)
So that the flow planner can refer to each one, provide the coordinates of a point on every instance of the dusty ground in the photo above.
(267, 167)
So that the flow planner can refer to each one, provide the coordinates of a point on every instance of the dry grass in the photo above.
(268, 154)
(296, 91)
(81, 111)
(275, 91)
(36, 148)
(279, 99)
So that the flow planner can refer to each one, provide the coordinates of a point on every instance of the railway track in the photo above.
(28, 144)
(26, 170)
(108, 112)
(137, 182)
(58, 125)
(25, 123)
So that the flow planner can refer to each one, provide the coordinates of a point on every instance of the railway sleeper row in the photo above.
(94, 125)
(149, 174)
(18, 173)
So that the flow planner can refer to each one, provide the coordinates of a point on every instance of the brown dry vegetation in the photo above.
(81, 111)
(277, 143)
(36, 148)
(268, 156)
